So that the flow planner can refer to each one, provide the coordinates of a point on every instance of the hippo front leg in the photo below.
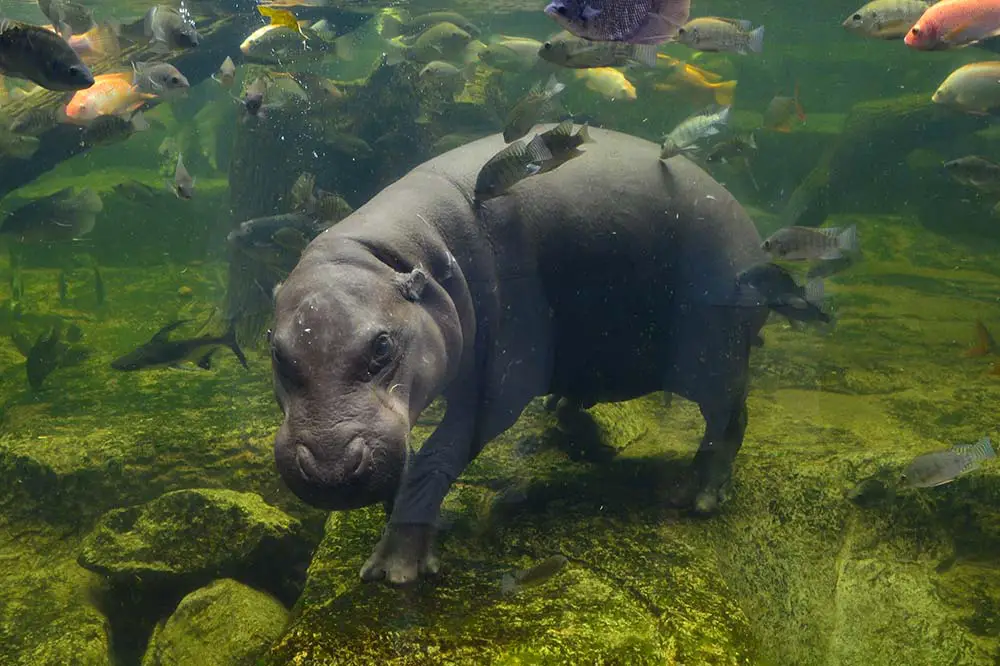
(406, 550)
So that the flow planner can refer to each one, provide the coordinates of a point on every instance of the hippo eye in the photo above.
(381, 353)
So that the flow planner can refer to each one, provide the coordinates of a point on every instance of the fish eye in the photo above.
(547, 46)
(767, 245)
(856, 17)
(174, 80)
(915, 30)
(561, 10)
(682, 31)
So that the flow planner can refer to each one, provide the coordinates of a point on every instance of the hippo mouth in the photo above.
(363, 472)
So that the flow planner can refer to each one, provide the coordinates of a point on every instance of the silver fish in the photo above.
(568, 50)
(691, 130)
(810, 244)
(940, 467)
(530, 109)
(536, 575)
(714, 33)
(183, 182)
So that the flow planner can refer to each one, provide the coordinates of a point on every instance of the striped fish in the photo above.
(512, 164)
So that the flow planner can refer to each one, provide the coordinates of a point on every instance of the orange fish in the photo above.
(985, 344)
(779, 113)
(111, 95)
(693, 82)
(954, 23)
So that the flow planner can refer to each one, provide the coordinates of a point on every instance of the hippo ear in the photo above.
(412, 284)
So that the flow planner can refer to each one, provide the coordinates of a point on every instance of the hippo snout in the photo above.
(330, 474)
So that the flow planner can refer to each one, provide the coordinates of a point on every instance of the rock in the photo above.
(225, 623)
(188, 537)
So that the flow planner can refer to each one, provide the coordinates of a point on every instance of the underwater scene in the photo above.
(525, 332)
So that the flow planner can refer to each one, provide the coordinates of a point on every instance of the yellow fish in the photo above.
(607, 81)
(694, 82)
(281, 17)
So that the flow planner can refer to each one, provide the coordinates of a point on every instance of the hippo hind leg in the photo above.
(725, 424)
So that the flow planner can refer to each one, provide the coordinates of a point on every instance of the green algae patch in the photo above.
(191, 535)
(47, 616)
(224, 623)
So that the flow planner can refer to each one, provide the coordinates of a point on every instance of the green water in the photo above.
(817, 558)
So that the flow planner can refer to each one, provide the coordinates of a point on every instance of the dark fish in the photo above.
(162, 351)
(976, 172)
(563, 144)
(69, 18)
(276, 241)
(536, 575)
(61, 216)
(512, 164)
(108, 129)
(43, 358)
(530, 109)
(159, 78)
(167, 29)
(568, 50)
(183, 182)
(773, 286)
(731, 148)
(38, 55)
(253, 98)
(634, 21)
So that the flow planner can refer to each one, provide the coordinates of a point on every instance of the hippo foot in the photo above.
(700, 497)
(403, 554)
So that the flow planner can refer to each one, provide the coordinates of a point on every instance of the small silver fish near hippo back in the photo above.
(941, 467)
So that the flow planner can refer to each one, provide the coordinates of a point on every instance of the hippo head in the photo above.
(360, 345)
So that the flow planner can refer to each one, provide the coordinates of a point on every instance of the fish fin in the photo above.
(533, 168)
(590, 12)
(756, 43)
(645, 54)
(553, 87)
(105, 40)
(205, 362)
(814, 292)
(64, 30)
(565, 128)
(983, 449)
(537, 151)
(584, 134)
(159, 46)
(139, 122)
(163, 334)
(984, 341)
(343, 47)
(752, 141)
(724, 92)
(229, 339)
(955, 33)
(847, 240)
(663, 23)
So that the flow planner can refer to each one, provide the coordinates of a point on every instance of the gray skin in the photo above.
(608, 278)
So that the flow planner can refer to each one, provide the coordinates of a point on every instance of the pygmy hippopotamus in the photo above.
(609, 278)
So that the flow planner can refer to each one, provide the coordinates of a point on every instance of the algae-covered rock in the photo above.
(225, 623)
(188, 537)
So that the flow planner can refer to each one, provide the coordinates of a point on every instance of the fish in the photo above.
(608, 82)
(634, 21)
(110, 129)
(168, 29)
(183, 186)
(18, 146)
(62, 216)
(307, 198)
(953, 24)
(162, 351)
(442, 41)
(886, 19)
(781, 110)
(277, 241)
(714, 33)
(158, 78)
(773, 286)
(734, 147)
(530, 109)
(418, 24)
(941, 467)
(282, 17)
(511, 165)
(536, 575)
(563, 144)
(985, 344)
(43, 358)
(443, 77)
(693, 129)
(253, 99)
(276, 43)
(33, 122)
(971, 88)
(974, 171)
(226, 74)
(69, 18)
(111, 94)
(512, 54)
(698, 85)
(567, 50)
(42, 57)
(811, 244)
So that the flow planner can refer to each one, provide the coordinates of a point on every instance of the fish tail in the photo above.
(756, 43)
(799, 111)
(584, 134)
(983, 449)
(814, 292)
(88, 202)
(724, 92)
(752, 141)
(847, 241)
(344, 49)
(645, 54)
(553, 87)
(229, 339)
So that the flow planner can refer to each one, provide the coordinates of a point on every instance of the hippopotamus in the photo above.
(608, 278)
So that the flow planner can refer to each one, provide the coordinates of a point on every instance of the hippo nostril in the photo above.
(306, 462)
(357, 458)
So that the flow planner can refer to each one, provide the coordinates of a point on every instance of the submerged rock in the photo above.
(188, 537)
(225, 623)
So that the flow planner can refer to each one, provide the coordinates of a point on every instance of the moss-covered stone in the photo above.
(224, 623)
(187, 537)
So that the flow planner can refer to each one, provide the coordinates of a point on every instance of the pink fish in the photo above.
(955, 23)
